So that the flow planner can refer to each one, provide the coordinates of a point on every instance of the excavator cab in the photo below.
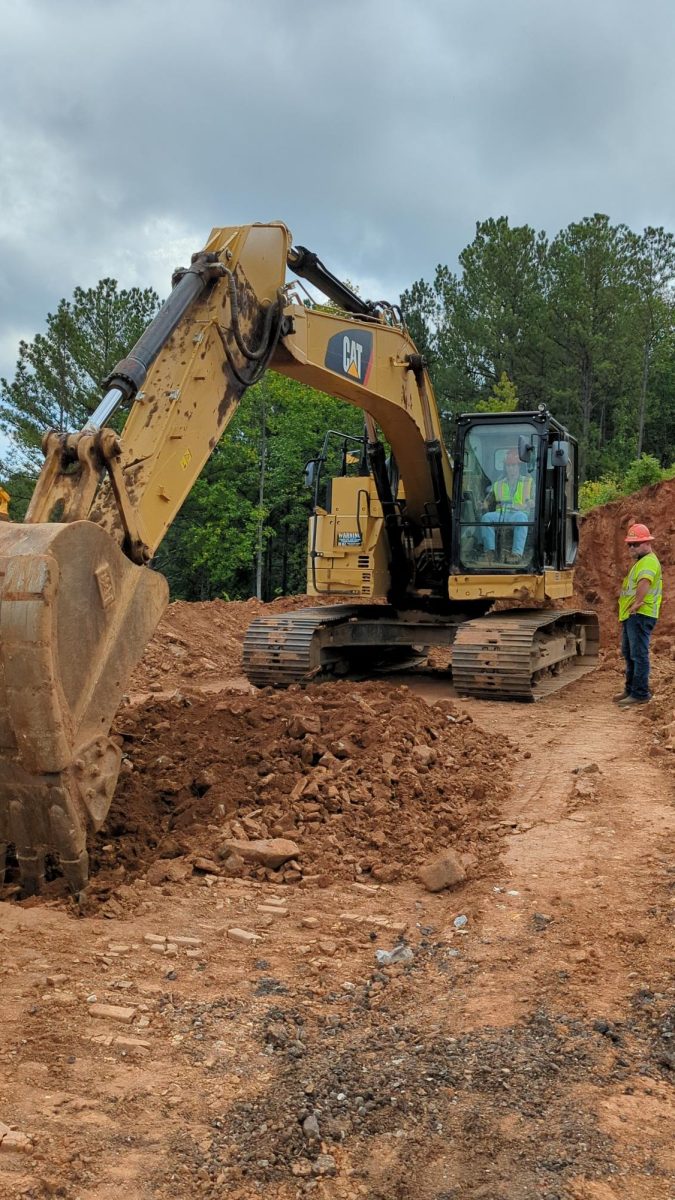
(516, 487)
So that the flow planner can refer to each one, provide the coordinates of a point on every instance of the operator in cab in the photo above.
(639, 607)
(508, 502)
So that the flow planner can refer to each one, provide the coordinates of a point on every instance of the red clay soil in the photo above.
(202, 642)
(603, 558)
(363, 777)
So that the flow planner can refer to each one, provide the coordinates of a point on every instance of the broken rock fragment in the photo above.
(267, 852)
(444, 871)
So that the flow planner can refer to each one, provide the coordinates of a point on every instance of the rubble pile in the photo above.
(358, 781)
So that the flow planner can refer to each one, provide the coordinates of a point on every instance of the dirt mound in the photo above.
(365, 778)
(603, 559)
(197, 643)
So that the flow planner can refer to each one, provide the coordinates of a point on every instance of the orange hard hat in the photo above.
(512, 458)
(639, 533)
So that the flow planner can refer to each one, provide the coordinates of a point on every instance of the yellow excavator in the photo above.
(431, 537)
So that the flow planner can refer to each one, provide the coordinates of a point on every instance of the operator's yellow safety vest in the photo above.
(517, 498)
(647, 567)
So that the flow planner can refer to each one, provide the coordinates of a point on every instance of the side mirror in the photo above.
(310, 473)
(525, 449)
(560, 454)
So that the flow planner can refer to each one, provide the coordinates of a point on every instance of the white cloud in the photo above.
(379, 131)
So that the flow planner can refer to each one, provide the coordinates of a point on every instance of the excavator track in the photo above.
(505, 656)
(524, 655)
(297, 646)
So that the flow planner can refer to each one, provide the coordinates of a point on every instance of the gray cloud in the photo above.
(380, 131)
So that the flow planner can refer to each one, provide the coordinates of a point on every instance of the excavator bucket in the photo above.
(75, 616)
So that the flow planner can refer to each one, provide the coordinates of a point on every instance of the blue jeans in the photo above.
(635, 634)
(504, 516)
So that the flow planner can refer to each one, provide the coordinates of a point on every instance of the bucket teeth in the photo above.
(32, 872)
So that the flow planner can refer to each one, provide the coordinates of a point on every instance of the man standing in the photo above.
(512, 497)
(639, 605)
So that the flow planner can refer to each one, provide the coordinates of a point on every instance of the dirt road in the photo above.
(527, 1053)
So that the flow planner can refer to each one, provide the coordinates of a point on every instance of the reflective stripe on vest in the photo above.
(647, 567)
(516, 499)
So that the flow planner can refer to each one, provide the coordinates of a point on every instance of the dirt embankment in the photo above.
(603, 559)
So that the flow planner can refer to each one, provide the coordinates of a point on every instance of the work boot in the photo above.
(624, 695)
(631, 700)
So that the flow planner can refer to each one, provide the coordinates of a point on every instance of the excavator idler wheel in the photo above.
(75, 616)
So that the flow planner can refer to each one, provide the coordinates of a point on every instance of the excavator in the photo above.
(413, 537)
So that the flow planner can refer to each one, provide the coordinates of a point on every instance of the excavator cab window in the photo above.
(341, 454)
(500, 479)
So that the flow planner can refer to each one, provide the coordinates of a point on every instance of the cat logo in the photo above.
(350, 353)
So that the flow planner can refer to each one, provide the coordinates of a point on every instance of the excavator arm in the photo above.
(77, 602)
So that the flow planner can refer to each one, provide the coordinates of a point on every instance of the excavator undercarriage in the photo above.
(521, 655)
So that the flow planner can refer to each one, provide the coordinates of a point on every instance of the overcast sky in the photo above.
(379, 130)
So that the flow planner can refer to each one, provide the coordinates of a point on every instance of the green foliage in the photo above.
(58, 374)
(502, 398)
(583, 323)
(212, 547)
(642, 472)
(598, 491)
(20, 489)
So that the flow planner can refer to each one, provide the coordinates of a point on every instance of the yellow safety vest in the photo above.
(517, 498)
(647, 567)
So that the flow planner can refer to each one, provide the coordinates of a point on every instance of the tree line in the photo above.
(583, 323)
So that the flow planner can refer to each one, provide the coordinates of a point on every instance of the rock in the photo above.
(400, 954)
(167, 871)
(112, 1012)
(424, 755)
(387, 873)
(13, 1142)
(324, 1164)
(268, 852)
(205, 866)
(310, 922)
(584, 788)
(273, 910)
(133, 1044)
(310, 1127)
(234, 866)
(206, 779)
(541, 921)
(300, 726)
(242, 935)
(444, 871)
(460, 922)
